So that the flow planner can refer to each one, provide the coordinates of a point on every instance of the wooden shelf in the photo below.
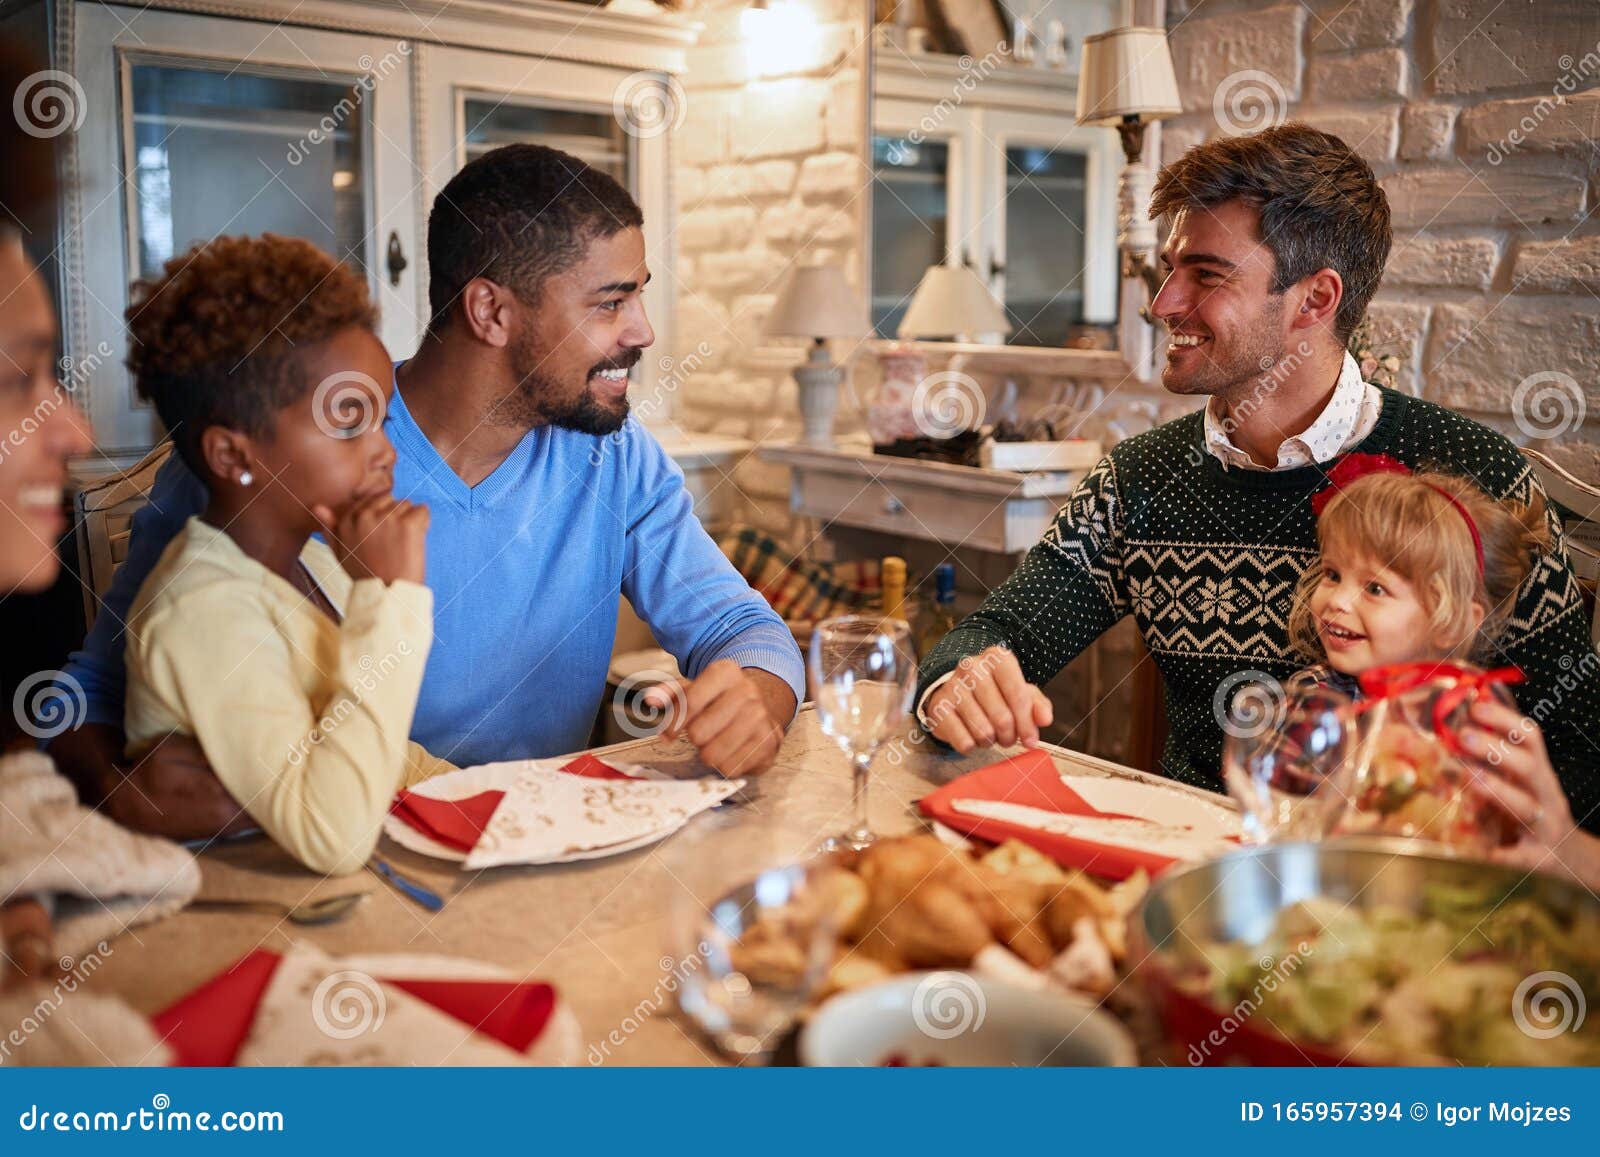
(991, 510)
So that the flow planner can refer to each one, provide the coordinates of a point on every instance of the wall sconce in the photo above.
(1126, 81)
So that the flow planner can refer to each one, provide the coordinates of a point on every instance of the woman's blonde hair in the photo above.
(1406, 523)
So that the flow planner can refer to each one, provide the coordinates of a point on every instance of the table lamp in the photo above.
(817, 302)
(1126, 81)
(952, 301)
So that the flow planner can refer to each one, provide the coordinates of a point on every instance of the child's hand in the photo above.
(381, 537)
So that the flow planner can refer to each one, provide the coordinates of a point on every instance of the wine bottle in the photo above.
(892, 575)
(941, 617)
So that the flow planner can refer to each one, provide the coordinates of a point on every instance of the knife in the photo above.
(429, 900)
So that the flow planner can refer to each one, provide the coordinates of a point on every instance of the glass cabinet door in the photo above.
(596, 138)
(1051, 192)
(201, 126)
(910, 222)
(217, 150)
(1044, 228)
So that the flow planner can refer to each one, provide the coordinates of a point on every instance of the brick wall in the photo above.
(1482, 121)
(768, 169)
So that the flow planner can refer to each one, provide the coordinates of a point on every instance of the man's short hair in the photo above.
(1320, 205)
(517, 215)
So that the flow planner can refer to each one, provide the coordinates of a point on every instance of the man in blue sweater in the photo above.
(548, 502)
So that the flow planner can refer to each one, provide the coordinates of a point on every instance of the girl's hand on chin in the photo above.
(381, 537)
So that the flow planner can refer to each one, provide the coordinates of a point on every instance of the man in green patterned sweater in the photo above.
(1201, 528)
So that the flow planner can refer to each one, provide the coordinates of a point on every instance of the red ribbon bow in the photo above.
(1461, 685)
(1348, 469)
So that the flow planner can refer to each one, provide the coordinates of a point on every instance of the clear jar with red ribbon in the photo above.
(1411, 775)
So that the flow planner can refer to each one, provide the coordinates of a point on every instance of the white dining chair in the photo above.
(1578, 504)
(103, 524)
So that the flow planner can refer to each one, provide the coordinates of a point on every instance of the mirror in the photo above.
(977, 160)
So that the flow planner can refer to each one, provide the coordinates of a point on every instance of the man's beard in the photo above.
(537, 400)
(1233, 376)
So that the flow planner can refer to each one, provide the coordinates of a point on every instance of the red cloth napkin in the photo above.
(1031, 779)
(454, 822)
(458, 823)
(208, 1027)
(589, 767)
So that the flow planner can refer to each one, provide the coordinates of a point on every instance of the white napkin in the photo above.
(548, 814)
(1175, 843)
(317, 1012)
(1155, 803)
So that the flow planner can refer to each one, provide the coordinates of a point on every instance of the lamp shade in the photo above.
(816, 301)
(1127, 72)
(950, 300)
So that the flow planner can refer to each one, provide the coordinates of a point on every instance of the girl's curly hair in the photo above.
(215, 337)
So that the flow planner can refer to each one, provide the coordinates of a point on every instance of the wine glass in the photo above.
(751, 931)
(863, 673)
(1287, 763)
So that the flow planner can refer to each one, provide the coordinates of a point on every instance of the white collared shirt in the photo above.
(1349, 416)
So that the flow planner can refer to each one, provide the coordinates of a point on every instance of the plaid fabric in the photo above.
(800, 590)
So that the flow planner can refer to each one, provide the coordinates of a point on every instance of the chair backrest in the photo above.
(1578, 504)
(104, 524)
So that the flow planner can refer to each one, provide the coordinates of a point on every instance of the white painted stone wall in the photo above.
(1482, 120)
(767, 171)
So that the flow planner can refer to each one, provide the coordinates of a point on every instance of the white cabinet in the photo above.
(199, 126)
(212, 117)
(991, 171)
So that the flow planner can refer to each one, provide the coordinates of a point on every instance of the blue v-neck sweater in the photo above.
(526, 568)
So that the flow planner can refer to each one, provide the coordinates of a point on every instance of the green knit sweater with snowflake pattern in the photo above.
(1206, 560)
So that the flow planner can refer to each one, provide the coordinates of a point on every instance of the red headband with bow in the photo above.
(1353, 466)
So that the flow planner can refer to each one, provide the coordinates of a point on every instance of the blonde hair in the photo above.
(1406, 522)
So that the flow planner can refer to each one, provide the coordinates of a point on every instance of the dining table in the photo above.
(596, 929)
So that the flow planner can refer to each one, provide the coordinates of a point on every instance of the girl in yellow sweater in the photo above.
(295, 664)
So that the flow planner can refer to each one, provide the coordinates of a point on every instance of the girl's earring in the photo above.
(246, 478)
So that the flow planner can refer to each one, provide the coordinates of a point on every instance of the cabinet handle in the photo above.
(396, 258)
(892, 505)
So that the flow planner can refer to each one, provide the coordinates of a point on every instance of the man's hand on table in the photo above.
(170, 792)
(986, 701)
(735, 716)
